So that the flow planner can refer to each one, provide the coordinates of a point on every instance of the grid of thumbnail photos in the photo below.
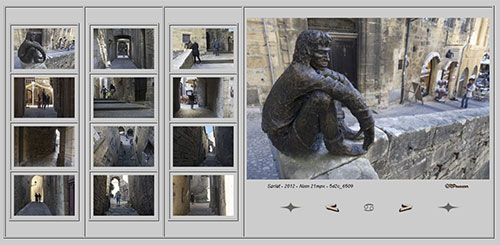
(203, 123)
(123, 88)
(44, 122)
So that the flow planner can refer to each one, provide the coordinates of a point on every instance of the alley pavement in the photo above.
(262, 165)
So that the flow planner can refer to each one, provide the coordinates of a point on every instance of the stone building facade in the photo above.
(139, 47)
(49, 38)
(371, 53)
(60, 89)
(144, 145)
(57, 194)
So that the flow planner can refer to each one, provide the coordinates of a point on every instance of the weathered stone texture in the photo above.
(141, 191)
(101, 198)
(445, 145)
(181, 195)
(224, 141)
(189, 148)
(144, 145)
(106, 145)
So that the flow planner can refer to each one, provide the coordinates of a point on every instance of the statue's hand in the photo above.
(369, 137)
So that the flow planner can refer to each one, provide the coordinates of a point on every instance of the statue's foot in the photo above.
(339, 148)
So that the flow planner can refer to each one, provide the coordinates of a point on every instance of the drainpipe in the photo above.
(408, 27)
(268, 51)
(457, 80)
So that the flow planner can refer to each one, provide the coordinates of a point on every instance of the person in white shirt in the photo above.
(468, 93)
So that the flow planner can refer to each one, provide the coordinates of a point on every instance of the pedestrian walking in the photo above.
(104, 91)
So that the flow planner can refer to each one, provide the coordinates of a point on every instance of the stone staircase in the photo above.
(114, 104)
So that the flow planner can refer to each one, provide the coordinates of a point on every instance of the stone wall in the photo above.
(106, 145)
(61, 60)
(176, 94)
(228, 92)
(101, 198)
(198, 35)
(217, 195)
(141, 191)
(64, 96)
(224, 142)
(22, 191)
(181, 196)
(144, 140)
(444, 145)
(188, 148)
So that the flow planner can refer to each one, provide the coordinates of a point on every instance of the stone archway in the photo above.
(36, 188)
(474, 74)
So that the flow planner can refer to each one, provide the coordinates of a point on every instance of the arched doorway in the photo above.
(428, 74)
(449, 77)
(36, 188)
(462, 81)
(473, 75)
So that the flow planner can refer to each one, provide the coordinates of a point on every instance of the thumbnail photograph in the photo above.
(44, 97)
(123, 48)
(124, 97)
(123, 195)
(204, 97)
(43, 146)
(203, 48)
(123, 146)
(44, 48)
(44, 195)
(203, 195)
(203, 146)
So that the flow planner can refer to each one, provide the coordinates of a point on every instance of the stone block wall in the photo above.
(224, 142)
(49, 36)
(227, 89)
(106, 146)
(61, 60)
(141, 192)
(22, 191)
(196, 34)
(143, 136)
(181, 195)
(444, 145)
(101, 198)
(188, 148)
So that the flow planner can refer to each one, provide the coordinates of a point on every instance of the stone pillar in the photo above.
(175, 94)
(19, 97)
(181, 194)
(101, 198)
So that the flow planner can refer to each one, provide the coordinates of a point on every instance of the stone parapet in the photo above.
(184, 60)
(442, 145)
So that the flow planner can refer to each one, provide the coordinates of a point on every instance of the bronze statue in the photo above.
(30, 51)
(301, 109)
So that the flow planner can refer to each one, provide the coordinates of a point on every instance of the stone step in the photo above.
(118, 106)
(216, 61)
(108, 101)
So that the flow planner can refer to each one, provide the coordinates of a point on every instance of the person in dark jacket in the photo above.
(196, 51)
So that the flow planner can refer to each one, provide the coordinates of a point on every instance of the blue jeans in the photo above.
(464, 100)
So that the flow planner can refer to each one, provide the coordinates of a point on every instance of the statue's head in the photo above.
(30, 36)
(312, 48)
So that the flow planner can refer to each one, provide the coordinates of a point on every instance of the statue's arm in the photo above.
(39, 48)
(353, 100)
